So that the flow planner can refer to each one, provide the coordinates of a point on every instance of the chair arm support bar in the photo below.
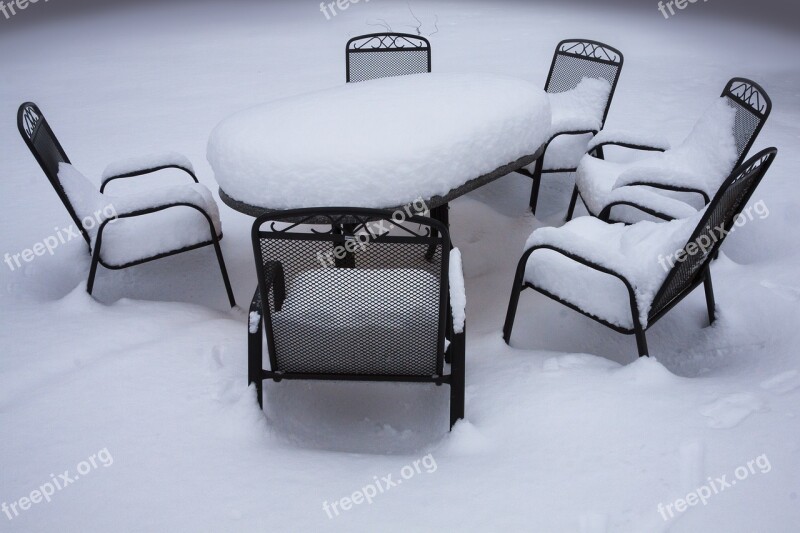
(146, 165)
(590, 264)
(275, 280)
(624, 139)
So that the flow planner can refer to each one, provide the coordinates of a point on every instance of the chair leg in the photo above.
(457, 378)
(710, 302)
(537, 181)
(641, 342)
(255, 362)
(93, 269)
(224, 270)
(513, 302)
(572, 203)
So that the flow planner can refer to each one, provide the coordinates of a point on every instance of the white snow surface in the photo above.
(631, 251)
(418, 136)
(579, 109)
(126, 240)
(147, 162)
(650, 139)
(458, 293)
(702, 161)
(565, 430)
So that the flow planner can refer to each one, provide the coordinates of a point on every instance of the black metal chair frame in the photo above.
(35, 129)
(683, 277)
(748, 94)
(342, 223)
(386, 43)
(586, 50)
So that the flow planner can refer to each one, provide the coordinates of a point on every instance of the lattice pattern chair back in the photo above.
(575, 59)
(44, 146)
(383, 55)
(717, 221)
(753, 106)
(344, 297)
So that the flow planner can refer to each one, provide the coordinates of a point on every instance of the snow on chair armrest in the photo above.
(193, 194)
(136, 166)
(628, 139)
(458, 294)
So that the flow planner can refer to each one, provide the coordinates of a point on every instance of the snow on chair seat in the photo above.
(628, 277)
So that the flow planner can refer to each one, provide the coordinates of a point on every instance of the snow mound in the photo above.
(379, 143)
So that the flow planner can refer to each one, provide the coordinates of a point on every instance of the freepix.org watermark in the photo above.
(705, 242)
(329, 9)
(680, 4)
(62, 236)
(379, 486)
(15, 6)
(47, 489)
(370, 232)
(714, 486)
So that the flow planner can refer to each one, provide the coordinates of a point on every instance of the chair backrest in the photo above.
(575, 59)
(355, 299)
(753, 106)
(714, 226)
(47, 151)
(383, 55)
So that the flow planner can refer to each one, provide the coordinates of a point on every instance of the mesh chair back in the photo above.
(383, 55)
(575, 59)
(753, 106)
(719, 218)
(44, 146)
(360, 302)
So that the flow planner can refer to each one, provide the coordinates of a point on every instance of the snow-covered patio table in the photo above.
(381, 144)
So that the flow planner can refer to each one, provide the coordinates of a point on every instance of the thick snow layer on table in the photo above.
(579, 109)
(702, 161)
(126, 240)
(380, 143)
(637, 252)
(147, 162)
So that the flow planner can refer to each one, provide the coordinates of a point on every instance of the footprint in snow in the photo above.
(729, 411)
(782, 383)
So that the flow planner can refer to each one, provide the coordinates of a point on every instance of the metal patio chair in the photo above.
(383, 55)
(111, 230)
(574, 60)
(632, 313)
(340, 297)
(752, 106)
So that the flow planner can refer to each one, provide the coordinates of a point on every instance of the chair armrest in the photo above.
(628, 139)
(458, 294)
(139, 166)
(275, 280)
(191, 194)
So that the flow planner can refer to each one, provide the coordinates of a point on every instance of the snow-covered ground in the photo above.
(564, 431)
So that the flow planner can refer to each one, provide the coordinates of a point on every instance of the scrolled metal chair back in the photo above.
(340, 286)
(575, 59)
(753, 106)
(48, 152)
(720, 216)
(383, 55)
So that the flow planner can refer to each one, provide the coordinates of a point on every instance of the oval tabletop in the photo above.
(380, 144)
